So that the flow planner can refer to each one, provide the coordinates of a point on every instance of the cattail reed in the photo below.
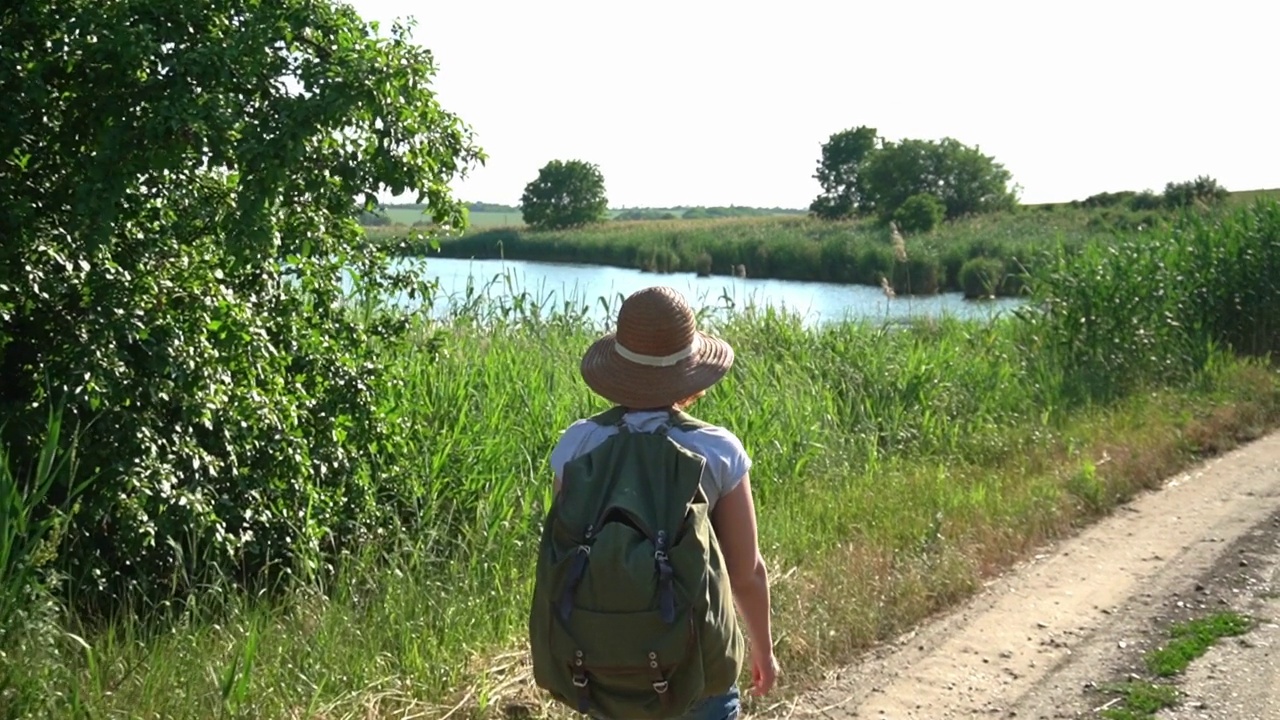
(899, 244)
(887, 288)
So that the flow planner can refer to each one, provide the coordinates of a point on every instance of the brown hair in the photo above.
(682, 404)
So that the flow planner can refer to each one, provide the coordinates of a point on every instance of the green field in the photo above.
(895, 470)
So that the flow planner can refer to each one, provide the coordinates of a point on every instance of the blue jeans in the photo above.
(716, 707)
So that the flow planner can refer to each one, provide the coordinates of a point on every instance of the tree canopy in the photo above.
(176, 202)
(863, 174)
(844, 190)
(565, 194)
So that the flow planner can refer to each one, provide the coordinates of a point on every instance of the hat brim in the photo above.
(638, 386)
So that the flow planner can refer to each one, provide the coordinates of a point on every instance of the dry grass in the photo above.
(899, 244)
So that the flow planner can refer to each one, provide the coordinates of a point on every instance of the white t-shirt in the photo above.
(727, 460)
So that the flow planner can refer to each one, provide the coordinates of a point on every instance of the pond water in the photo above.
(582, 287)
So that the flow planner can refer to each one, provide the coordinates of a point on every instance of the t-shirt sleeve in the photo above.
(567, 446)
(727, 459)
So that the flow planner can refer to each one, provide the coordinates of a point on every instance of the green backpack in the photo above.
(632, 614)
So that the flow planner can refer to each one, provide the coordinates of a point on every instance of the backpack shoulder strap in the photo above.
(612, 416)
(685, 421)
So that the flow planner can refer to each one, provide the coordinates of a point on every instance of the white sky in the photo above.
(717, 103)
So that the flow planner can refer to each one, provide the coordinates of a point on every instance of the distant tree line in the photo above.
(492, 207)
(917, 184)
(378, 216)
(684, 212)
(1203, 190)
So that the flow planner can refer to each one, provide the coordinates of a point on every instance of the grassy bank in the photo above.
(895, 468)
(978, 256)
(800, 248)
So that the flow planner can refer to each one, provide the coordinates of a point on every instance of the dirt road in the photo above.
(1041, 640)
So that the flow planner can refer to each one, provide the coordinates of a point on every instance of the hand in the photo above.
(764, 671)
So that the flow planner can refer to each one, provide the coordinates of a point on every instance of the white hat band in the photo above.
(656, 360)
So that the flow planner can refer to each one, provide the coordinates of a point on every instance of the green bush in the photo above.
(918, 276)
(1203, 189)
(1146, 200)
(1108, 199)
(171, 272)
(981, 277)
(920, 213)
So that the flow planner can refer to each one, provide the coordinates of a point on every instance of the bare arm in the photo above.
(734, 520)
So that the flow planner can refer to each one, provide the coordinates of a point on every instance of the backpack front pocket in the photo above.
(628, 665)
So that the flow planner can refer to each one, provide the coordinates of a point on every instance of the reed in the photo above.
(797, 247)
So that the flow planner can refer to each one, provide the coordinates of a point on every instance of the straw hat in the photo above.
(657, 356)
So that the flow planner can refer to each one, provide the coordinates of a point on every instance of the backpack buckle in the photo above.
(659, 683)
(580, 682)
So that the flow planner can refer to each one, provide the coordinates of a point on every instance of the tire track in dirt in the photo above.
(1034, 640)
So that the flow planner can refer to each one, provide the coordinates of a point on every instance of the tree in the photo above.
(840, 173)
(176, 206)
(961, 177)
(565, 194)
(863, 174)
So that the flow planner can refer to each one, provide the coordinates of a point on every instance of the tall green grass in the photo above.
(832, 419)
(893, 467)
(1115, 315)
(32, 524)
